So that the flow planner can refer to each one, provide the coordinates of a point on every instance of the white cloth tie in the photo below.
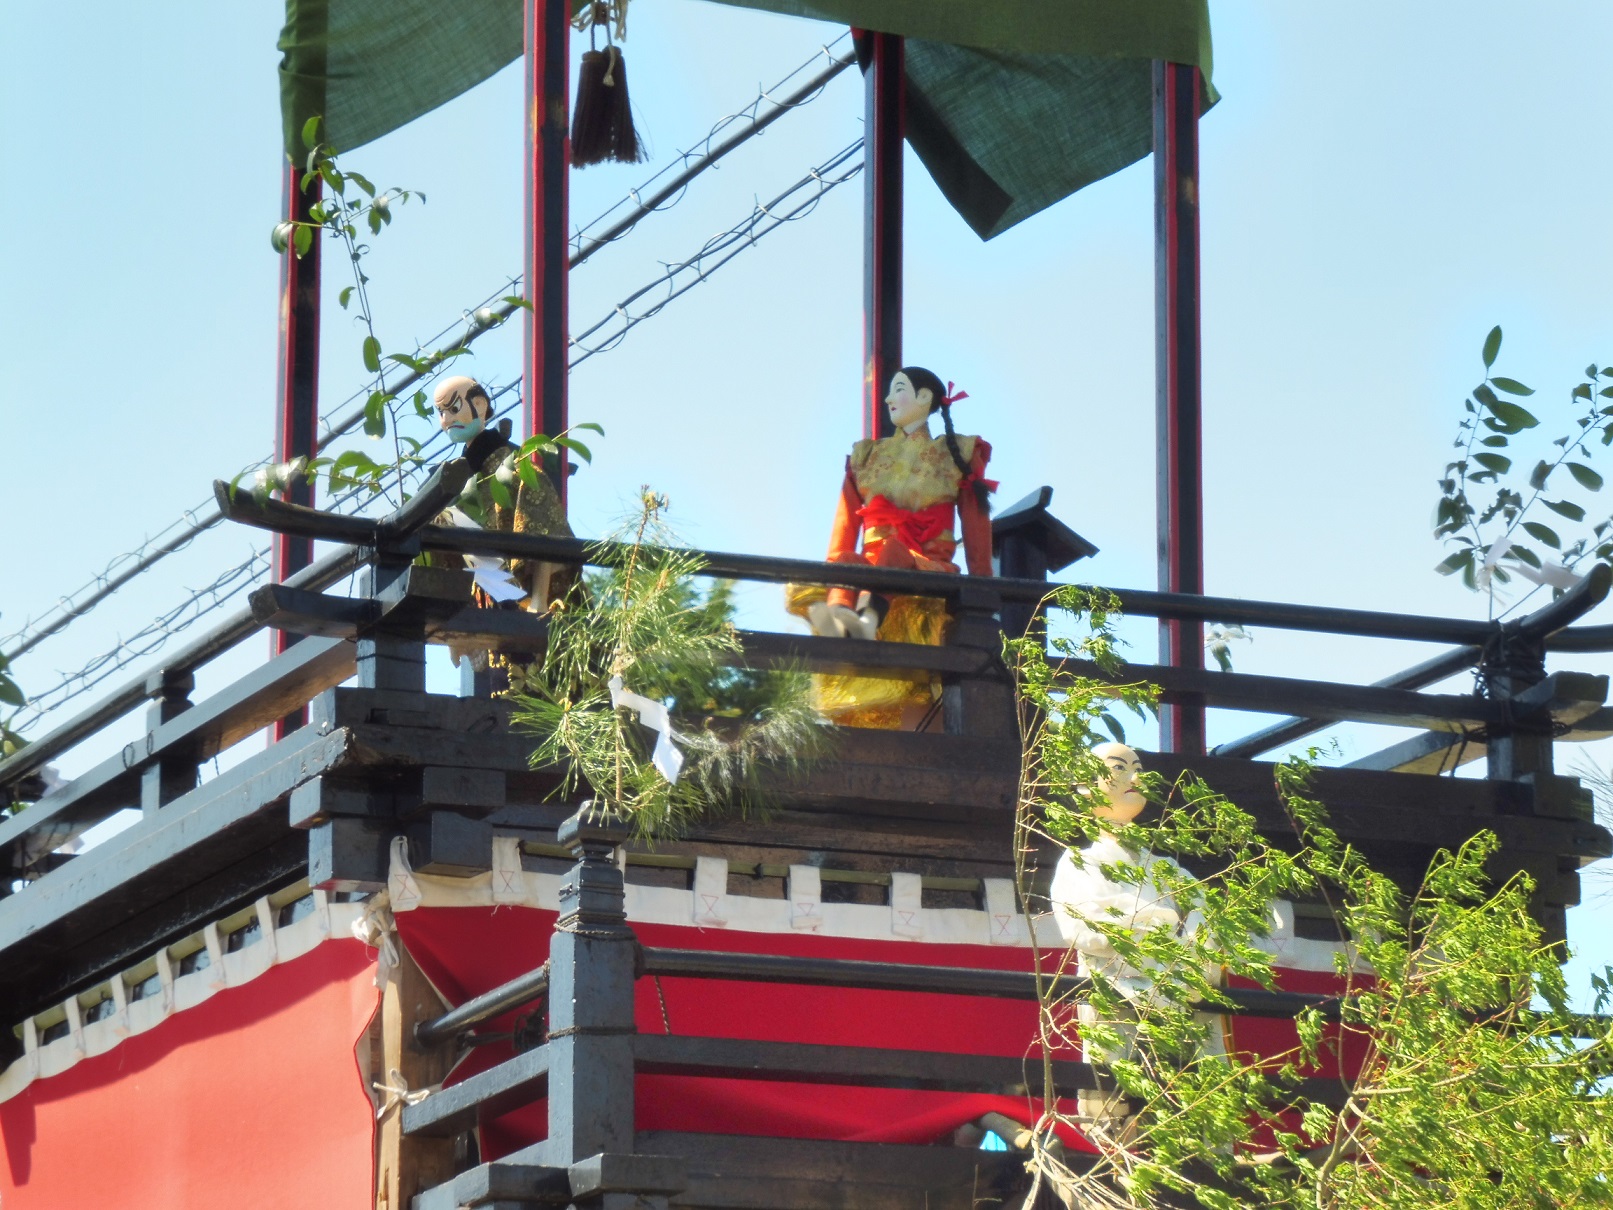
(667, 757)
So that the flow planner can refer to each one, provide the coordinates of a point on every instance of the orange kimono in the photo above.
(901, 496)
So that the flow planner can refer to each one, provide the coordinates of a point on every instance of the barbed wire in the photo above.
(486, 315)
(680, 278)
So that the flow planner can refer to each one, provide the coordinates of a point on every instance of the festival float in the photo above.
(389, 959)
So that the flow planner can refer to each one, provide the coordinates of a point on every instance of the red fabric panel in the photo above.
(466, 951)
(251, 1099)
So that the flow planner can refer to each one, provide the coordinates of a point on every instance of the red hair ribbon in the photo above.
(952, 396)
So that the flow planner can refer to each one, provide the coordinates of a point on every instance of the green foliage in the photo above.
(1479, 1088)
(1485, 532)
(644, 620)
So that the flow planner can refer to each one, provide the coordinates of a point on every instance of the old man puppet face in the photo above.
(463, 408)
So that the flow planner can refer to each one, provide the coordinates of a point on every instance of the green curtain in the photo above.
(1012, 104)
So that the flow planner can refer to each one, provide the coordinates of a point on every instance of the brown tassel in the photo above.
(602, 121)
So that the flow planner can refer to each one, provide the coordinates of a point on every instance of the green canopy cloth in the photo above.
(1012, 104)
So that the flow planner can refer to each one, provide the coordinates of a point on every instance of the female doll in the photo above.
(901, 496)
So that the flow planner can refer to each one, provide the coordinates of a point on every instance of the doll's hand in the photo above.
(841, 621)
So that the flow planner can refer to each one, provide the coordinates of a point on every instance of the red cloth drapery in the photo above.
(251, 1099)
(465, 951)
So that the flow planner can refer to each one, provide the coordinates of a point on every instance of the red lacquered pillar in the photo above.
(297, 394)
(882, 226)
(548, 161)
(1179, 422)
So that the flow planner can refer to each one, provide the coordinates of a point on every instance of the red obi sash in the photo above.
(914, 527)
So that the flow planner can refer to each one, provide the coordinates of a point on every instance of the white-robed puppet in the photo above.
(1085, 898)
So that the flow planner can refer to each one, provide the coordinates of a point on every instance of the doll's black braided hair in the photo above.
(928, 380)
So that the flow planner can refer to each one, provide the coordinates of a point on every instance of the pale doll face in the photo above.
(1126, 802)
(460, 416)
(908, 407)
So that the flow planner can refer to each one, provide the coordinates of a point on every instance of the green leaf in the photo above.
(375, 220)
(1543, 533)
(1513, 416)
(10, 694)
(1485, 395)
(535, 444)
(1499, 463)
(515, 300)
(1565, 508)
(1585, 476)
(1494, 442)
(1492, 346)
(332, 176)
(500, 493)
(403, 359)
(1454, 563)
(1512, 386)
(1523, 554)
(372, 354)
(345, 297)
(1582, 391)
(1538, 476)
(302, 240)
(575, 447)
(362, 182)
(527, 473)
(590, 426)
(310, 132)
(422, 406)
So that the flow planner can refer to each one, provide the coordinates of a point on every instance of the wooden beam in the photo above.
(853, 1066)
(884, 114)
(1179, 458)
(733, 1171)
(250, 704)
(1287, 695)
(406, 1166)
(486, 1095)
(546, 30)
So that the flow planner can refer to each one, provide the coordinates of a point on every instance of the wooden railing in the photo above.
(209, 844)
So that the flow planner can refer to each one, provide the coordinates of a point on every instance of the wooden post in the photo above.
(548, 163)
(1179, 425)
(405, 1166)
(883, 128)
(297, 394)
(172, 775)
(591, 1001)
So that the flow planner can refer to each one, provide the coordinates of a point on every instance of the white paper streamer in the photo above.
(487, 570)
(667, 757)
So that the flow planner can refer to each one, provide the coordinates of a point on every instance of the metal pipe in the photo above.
(518, 991)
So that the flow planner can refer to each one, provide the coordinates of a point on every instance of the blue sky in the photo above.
(1381, 184)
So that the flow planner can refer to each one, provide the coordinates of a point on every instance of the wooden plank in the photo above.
(488, 1094)
(856, 1066)
(405, 1165)
(248, 705)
